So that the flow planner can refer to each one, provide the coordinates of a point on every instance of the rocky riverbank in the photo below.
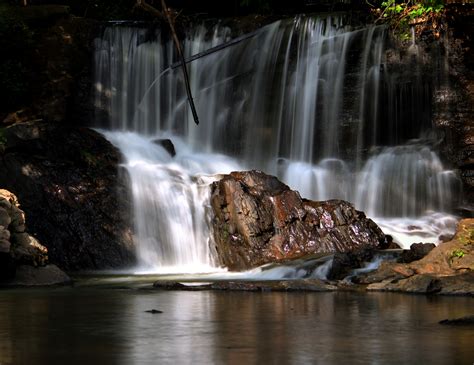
(23, 260)
(447, 269)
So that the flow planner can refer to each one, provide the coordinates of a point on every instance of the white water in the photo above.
(301, 100)
(170, 202)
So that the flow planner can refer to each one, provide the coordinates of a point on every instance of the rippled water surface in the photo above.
(110, 326)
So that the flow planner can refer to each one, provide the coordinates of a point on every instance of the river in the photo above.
(90, 324)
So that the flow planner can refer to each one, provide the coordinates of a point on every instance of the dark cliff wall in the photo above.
(454, 94)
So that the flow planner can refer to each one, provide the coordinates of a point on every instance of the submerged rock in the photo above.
(314, 285)
(258, 220)
(39, 276)
(463, 321)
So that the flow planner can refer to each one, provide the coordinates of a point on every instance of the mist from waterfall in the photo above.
(306, 99)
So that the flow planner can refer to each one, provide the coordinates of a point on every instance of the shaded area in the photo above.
(70, 188)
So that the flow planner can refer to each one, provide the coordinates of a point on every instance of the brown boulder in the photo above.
(258, 220)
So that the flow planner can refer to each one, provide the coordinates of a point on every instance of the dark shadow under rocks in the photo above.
(68, 182)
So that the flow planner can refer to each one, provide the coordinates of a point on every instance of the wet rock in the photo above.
(174, 285)
(70, 186)
(167, 144)
(258, 220)
(416, 252)
(345, 262)
(447, 269)
(463, 321)
(315, 285)
(454, 97)
(388, 272)
(39, 276)
(462, 284)
(389, 243)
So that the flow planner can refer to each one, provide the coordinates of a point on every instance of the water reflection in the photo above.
(82, 325)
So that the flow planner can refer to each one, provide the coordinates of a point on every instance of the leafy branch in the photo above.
(400, 15)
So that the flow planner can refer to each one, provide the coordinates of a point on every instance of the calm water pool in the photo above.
(90, 325)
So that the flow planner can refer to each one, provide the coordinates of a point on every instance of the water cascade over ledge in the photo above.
(307, 99)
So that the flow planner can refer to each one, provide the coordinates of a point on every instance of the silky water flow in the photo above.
(306, 99)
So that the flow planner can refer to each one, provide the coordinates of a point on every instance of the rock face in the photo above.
(454, 95)
(258, 219)
(23, 260)
(68, 182)
(14, 240)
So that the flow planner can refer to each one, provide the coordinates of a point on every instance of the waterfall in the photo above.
(170, 202)
(307, 99)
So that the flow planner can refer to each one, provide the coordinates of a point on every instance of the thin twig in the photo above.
(183, 61)
(165, 14)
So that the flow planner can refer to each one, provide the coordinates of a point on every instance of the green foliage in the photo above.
(457, 254)
(401, 14)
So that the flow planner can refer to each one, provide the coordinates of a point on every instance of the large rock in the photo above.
(23, 260)
(68, 182)
(39, 276)
(14, 240)
(258, 219)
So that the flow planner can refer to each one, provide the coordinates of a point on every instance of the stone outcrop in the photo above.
(454, 95)
(68, 182)
(446, 269)
(21, 253)
(14, 240)
(258, 219)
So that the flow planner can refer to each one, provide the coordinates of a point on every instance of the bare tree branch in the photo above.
(165, 13)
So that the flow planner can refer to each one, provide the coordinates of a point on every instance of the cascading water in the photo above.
(170, 202)
(306, 99)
